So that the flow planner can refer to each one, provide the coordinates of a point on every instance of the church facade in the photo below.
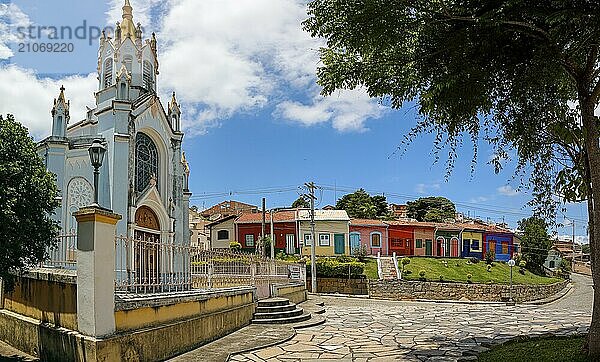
(144, 176)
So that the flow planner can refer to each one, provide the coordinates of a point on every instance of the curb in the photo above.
(553, 298)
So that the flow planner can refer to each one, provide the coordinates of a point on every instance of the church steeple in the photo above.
(175, 114)
(60, 115)
(128, 29)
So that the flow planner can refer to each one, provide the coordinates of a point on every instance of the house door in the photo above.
(338, 243)
(146, 247)
(290, 244)
(428, 247)
(354, 242)
(439, 246)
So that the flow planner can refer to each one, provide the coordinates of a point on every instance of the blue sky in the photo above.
(244, 73)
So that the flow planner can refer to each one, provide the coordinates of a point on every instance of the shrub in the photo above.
(522, 265)
(422, 275)
(404, 263)
(490, 256)
(234, 245)
(441, 278)
(489, 267)
(332, 268)
(469, 277)
(360, 253)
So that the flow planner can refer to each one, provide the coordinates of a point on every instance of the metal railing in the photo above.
(64, 253)
(150, 266)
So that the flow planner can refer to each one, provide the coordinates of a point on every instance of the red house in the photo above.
(402, 237)
(285, 228)
(372, 234)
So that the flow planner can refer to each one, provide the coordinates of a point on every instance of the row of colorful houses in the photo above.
(337, 234)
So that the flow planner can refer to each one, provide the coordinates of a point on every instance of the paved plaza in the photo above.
(372, 330)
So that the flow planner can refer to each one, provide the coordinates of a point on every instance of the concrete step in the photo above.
(276, 309)
(295, 319)
(279, 315)
(273, 302)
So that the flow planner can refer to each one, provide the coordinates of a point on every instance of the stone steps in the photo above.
(388, 269)
(278, 311)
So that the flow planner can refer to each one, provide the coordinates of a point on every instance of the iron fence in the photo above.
(63, 254)
(151, 266)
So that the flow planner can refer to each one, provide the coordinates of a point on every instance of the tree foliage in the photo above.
(300, 202)
(361, 205)
(522, 75)
(27, 200)
(432, 209)
(535, 242)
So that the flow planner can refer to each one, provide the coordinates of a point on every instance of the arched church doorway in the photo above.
(147, 247)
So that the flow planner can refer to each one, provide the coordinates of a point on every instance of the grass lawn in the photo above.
(371, 268)
(551, 349)
(457, 271)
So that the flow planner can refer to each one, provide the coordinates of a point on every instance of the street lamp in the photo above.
(511, 263)
(97, 151)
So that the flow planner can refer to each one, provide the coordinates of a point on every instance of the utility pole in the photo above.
(272, 237)
(313, 253)
(262, 229)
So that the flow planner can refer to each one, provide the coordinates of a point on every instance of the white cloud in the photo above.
(476, 200)
(11, 17)
(507, 190)
(346, 110)
(426, 188)
(30, 99)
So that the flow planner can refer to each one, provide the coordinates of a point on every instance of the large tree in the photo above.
(361, 205)
(300, 202)
(535, 242)
(522, 75)
(27, 200)
(433, 209)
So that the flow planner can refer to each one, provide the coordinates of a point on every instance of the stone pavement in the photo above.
(8, 353)
(375, 330)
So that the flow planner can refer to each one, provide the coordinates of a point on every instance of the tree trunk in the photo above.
(591, 135)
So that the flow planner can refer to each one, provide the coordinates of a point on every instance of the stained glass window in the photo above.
(146, 161)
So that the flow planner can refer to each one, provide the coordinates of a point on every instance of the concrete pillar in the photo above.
(96, 271)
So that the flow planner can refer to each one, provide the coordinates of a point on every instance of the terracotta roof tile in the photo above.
(367, 222)
(278, 216)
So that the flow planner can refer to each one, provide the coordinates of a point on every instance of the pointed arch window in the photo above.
(146, 161)
(128, 62)
(148, 76)
(108, 72)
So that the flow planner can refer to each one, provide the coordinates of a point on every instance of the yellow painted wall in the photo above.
(225, 225)
(328, 227)
(46, 300)
(473, 236)
(152, 316)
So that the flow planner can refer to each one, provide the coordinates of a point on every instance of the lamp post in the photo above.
(511, 263)
(96, 151)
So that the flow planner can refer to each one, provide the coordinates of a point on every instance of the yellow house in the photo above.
(332, 228)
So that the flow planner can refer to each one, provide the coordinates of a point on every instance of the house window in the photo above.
(408, 243)
(552, 264)
(474, 244)
(376, 240)
(249, 240)
(222, 235)
(419, 243)
(307, 240)
(505, 247)
(324, 240)
(396, 243)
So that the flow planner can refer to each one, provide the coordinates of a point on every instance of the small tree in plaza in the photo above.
(28, 198)
(404, 262)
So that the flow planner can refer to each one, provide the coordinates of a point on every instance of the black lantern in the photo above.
(97, 151)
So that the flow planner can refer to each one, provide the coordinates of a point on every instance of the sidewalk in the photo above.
(252, 337)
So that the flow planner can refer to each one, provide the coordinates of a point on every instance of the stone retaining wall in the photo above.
(340, 285)
(411, 290)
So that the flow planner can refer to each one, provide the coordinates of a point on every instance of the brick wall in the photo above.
(411, 290)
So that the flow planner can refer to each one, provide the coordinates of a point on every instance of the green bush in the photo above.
(441, 278)
(422, 275)
(490, 256)
(474, 260)
(489, 267)
(333, 268)
(522, 265)
(469, 277)
(361, 253)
